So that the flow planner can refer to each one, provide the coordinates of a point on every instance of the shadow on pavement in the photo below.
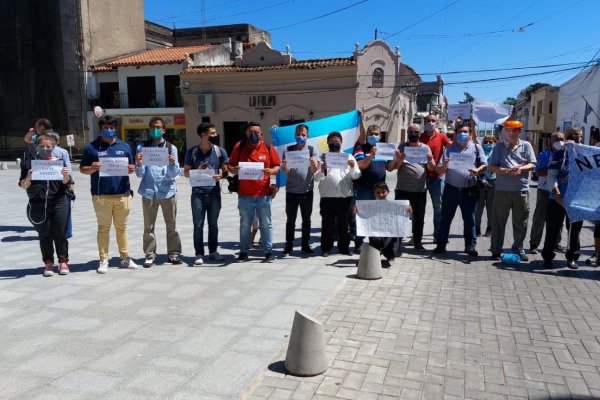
(75, 268)
(15, 228)
(278, 367)
(537, 267)
(11, 239)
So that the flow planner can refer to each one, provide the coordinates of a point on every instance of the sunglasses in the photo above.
(488, 142)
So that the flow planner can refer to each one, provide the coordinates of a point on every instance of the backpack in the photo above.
(310, 149)
(234, 181)
(217, 150)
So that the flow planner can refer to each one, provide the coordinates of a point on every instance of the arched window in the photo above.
(377, 78)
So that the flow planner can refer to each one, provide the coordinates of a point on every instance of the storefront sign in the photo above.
(144, 120)
(262, 101)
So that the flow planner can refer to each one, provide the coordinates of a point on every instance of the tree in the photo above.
(468, 98)
(510, 100)
(532, 88)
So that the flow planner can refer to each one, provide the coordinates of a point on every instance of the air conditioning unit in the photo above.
(206, 104)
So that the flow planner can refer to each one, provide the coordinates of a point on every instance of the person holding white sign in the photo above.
(413, 160)
(158, 189)
(254, 196)
(461, 190)
(111, 195)
(299, 190)
(206, 199)
(335, 188)
(48, 208)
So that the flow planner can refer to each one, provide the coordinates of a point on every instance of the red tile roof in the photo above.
(304, 64)
(166, 55)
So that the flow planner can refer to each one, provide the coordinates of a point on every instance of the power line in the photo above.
(318, 17)
(252, 11)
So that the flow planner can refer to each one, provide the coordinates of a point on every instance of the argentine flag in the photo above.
(348, 124)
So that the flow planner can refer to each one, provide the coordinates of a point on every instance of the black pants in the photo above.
(334, 210)
(50, 222)
(555, 215)
(292, 202)
(385, 245)
(418, 202)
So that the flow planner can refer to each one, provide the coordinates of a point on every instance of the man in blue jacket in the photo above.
(158, 189)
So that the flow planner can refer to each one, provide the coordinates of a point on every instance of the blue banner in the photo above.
(582, 198)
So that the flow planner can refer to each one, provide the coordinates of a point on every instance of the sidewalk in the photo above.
(431, 328)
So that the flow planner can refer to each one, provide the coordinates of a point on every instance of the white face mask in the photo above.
(558, 146)
(430, 126)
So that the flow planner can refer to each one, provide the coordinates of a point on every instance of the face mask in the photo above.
(301, 140)
(413, 138)
(462, 138)
(156, 133)
(335, 147)
(558, 146)
(213, 139)
(109, 134)
(253, 138)
(34, 138)
(373, 140)
(430, 126)
(44, 153)
(488, 147)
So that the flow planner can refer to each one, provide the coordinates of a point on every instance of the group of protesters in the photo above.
(493, 175)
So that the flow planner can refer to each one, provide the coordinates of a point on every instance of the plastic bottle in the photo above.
(511, 259)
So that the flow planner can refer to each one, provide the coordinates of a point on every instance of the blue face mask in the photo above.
(301, 140)
(253, 138)
(488, 147)
(156, 133)
(34, 138)
(462, 138)
(373, 140)
(109, 134)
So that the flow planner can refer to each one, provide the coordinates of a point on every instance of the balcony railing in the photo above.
(153, 100)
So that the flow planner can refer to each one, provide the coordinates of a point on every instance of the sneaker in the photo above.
(48, 268)
(216, 256)
(420, 248)
(128, 263)
(533, 250)
(385, 264)
(496, 256)
(439, 250)
(470, 250)
(269, 258)
(175, 260)
(308, 250)
(243, 257)
(572, 264)
(148, 262)
(523, 256)
(63, 268)
(102, 267)
(592, 261)
(198, 261)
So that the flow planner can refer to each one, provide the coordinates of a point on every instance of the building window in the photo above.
(550, 108)
(377, 78)
(533, 111)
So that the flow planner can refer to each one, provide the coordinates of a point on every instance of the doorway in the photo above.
(233, 132)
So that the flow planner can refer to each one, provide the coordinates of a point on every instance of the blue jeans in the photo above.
(359, 194)
(261, 206)
(435, 187)
(206, 204)
(452, 199)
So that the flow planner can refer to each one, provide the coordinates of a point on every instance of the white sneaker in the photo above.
(148, 262)
(103, 267)
(216, 256)
(198, 261)
(128, 263)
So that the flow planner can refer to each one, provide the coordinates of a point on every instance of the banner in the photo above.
(581, 199)
(488, 111)
(459, 110)
(347, 124)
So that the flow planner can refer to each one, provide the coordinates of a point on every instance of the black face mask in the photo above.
(214, 140)
(413, 138)
(335, 147)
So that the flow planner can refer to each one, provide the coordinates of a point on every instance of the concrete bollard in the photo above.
(18, 162)
(369, 263)
(306, 350)
(3, 166)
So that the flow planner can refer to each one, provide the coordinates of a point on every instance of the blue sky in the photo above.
(435, 36)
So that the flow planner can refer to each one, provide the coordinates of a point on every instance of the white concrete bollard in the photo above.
(3, 166)
(306, 350)
(369, 263)
(18, 162)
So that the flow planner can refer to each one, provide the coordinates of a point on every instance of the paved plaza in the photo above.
(432, 328)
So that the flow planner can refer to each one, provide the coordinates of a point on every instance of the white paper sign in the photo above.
(459, 110)
(155, 156)
(297, 159)
(336, 160)
(415, 155)
(386, 151)
(251, 171)
(70, 140)
(47, 170)
(202, 177)
(114, 166)
(383, 218)
(462, 161)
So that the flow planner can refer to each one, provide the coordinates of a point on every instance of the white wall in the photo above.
(571, 105)
(158, 71)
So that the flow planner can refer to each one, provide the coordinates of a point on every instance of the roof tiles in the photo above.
(304, 64)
